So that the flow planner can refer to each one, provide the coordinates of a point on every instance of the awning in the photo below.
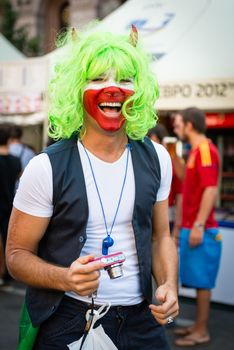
(207, 94)
(24, 120)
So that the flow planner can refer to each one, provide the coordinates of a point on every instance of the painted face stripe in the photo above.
(127, 92)
(94, 85)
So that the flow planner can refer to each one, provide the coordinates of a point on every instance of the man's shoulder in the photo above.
(153, 149)
(60, 146)
(10, 158)
(160, 150)
(213, 148)
(13, 158)
(13, 163)
(29, 150)
(207, 153)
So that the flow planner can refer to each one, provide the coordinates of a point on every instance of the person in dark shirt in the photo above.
(10, 171)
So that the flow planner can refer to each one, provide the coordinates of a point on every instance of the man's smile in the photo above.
(110, 109)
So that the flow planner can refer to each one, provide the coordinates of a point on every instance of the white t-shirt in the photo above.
(34, 197)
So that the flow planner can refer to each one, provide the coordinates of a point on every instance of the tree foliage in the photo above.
(18, 36)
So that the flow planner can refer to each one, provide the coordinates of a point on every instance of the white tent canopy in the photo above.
(191, 40)
(8, 52)
(194, 45)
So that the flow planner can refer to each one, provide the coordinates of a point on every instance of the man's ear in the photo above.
(189, 126)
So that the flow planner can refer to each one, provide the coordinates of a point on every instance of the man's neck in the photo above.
(107, 147)
(196, 139)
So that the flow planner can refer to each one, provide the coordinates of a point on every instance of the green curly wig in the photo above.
(87, 56)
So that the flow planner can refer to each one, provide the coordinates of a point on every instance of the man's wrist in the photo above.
(176, 225)
(199, 225)
(173, 285)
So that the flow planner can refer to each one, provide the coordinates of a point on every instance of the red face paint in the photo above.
(103, 102)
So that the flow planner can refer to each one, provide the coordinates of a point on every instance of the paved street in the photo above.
(221, 322)
(221, 325)
(11, 298)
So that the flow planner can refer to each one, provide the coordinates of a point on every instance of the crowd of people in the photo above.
(102, 188)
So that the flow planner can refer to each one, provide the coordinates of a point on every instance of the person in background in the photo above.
(159, 134)
(18, 148)
(10, 170)
(102, 188)
(199, 240)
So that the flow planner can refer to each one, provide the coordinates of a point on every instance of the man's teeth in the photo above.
(110, 104)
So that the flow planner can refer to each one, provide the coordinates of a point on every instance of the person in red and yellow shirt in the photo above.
(202, 172)
(199, 240)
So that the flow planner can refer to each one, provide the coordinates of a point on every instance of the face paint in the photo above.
(103, 99)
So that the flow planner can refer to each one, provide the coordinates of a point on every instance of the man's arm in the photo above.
(24, 235)
(208, 200)
(164, 265)
(178, 216)
(179, 167)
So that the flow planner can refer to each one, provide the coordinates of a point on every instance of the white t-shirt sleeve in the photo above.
(35, 191)
(166, 171)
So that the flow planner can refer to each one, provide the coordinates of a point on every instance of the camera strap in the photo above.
(88, 323)
(108, 240)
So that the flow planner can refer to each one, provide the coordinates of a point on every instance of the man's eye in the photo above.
(97, 79)
(126, 81)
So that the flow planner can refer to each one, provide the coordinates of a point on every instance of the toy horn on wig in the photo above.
(74, 34)
(133, 36)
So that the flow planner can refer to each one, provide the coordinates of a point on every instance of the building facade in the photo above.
(45, 18)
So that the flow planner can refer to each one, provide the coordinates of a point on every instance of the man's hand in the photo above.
(83, 275)
(195, 237)
(169, 307)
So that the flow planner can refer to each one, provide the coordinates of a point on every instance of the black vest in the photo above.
(66, 233)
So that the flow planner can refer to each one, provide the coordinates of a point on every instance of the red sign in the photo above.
(219, 120)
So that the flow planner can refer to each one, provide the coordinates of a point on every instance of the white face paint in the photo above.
(104, 81)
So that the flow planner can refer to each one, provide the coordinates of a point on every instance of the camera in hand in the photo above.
(113, 264)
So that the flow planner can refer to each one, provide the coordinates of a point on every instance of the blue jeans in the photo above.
(129, 327)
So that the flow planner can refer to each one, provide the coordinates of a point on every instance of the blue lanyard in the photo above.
(108, 240)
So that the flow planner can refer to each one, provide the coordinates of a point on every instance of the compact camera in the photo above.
(113, 264)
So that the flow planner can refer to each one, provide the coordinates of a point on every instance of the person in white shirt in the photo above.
(101, 189)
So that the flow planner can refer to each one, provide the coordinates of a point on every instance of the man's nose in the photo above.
(112, 91)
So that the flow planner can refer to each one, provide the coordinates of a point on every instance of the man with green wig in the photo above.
(89, 226)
